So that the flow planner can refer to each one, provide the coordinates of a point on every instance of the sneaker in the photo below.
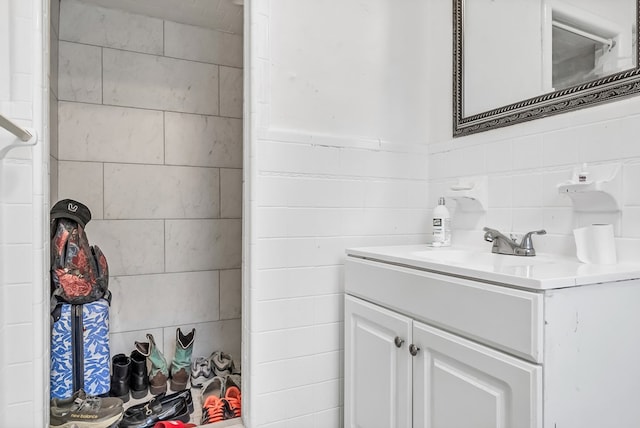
(232, 380)
(234, 402)
(214, 387)
(213, 410)
(83, 411)
(200, 372)
(221, 363)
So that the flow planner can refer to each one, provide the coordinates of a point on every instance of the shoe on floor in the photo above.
(200, 372)
(214, 387)
(159, 370)
(221, 363)
(232, 380)
(84, 411)
(139, 379)
(173, 424)
(163, 407)
(120, 377)
(234, 402)
(213, 410)
(181, 364)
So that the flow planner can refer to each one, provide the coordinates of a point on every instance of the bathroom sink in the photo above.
(542, 271)
(478, 258)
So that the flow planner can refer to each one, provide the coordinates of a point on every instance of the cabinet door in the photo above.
(461, 384)
(377, 371)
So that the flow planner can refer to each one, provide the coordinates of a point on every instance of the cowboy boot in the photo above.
(181, 365)
(158, 372)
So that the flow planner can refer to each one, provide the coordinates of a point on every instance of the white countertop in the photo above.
(541, 272)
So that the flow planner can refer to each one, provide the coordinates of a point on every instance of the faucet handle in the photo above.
(527, 242)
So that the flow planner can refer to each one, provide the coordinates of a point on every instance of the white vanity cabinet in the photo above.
(404, 373)
(426, 349)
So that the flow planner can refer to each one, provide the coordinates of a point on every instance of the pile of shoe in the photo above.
(82, 410)
(220, 383)
(204, 369)
(146, 369)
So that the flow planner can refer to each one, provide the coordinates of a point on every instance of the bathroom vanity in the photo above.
(463, 338)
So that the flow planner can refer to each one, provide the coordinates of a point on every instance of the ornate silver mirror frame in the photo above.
(609, 88)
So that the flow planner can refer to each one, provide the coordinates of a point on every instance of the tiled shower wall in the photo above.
(150, 138)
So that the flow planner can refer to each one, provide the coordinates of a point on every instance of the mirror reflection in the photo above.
(509, 51)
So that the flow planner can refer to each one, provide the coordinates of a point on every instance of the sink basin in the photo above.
(478, 258)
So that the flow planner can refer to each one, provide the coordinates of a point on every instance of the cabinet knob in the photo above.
(413, 350)
(398, 341)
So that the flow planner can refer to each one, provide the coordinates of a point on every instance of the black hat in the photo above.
(68, 208)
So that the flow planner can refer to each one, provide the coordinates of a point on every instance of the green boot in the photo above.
(181, 365)
(159, 372)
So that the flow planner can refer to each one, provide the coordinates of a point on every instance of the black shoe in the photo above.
(186, 394)
(139, 380)
(121, 371)
(163, 399)
(146, 415)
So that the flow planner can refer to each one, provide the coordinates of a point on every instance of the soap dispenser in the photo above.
(441, 225)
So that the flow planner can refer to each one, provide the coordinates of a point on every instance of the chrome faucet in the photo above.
(505, 245)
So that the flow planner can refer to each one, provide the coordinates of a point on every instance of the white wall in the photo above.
(150, 138)
(525, 162)
(336, 160)
(23, 200)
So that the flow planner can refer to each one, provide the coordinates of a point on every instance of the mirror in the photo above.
(519, 60)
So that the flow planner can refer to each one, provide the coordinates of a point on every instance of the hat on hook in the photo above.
(68, 208)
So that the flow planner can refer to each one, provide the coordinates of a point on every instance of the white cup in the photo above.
(596, 244)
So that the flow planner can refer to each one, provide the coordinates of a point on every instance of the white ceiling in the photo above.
(223, 15)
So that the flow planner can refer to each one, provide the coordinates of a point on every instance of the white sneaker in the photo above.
(221, 364)
(200, 371)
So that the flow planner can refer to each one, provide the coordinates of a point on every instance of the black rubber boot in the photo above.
(139, 380)
(120, 374)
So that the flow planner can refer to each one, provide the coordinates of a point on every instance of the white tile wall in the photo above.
(198, 140)
(156, 82)
(230, 92)
(150, 191)
(82, 181)
(202, 44)
(230, 193)
(230, 294)
(172, 299)
(132, 247)
(316, 192)
(110, 134)
(84, 23)
(524, 196)
(80, 72)
(203, 244)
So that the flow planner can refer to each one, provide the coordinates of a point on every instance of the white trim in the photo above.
(40, 158)
(328, 140)
(248, 198)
